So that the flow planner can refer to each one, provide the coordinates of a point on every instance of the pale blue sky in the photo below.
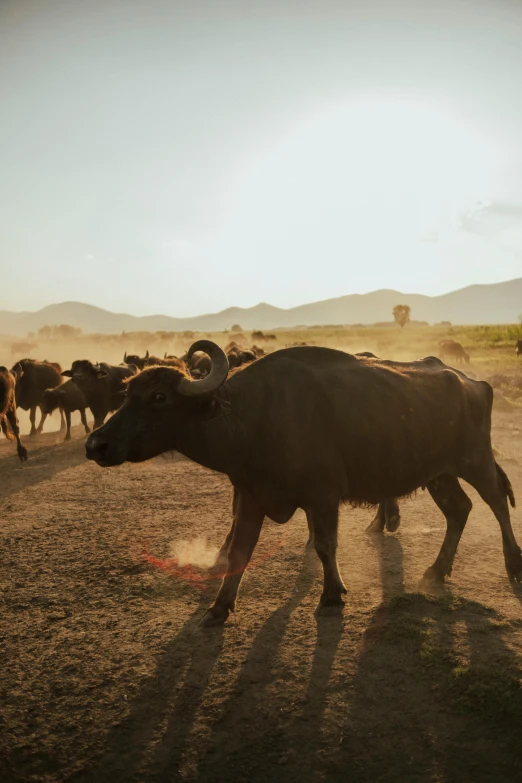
(182, 157)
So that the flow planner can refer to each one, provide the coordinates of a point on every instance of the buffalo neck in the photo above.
(216, 441)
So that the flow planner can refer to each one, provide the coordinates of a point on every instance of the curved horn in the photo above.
(125, 357)
(217, 375)
(147, 354)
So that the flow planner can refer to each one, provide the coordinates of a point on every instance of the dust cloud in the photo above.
(196, 552)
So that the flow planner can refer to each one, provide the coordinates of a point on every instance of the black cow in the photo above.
(32, 379)
(68, 397)
(8, 411)
(312, 427)
(102, 385)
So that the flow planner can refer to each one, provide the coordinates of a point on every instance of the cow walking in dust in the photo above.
(8, 411)
(32, 379)
(311, 428)
(453, 350)
(102, 386)
(67, 397)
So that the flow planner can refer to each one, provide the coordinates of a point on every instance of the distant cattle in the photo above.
(102, 386)
(149, 361)
(22, 347)
(8, 411)
(261, 337)
(32, 379)
(453, 350)
(518, 349)
(68, 397)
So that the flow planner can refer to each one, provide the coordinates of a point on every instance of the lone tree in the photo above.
(401, 313)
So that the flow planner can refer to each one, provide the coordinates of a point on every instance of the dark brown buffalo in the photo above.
(102, 385)
(8, 411)
(312, 427)
(239, 357)
(453, 350)
(32, 379)
(68, 397)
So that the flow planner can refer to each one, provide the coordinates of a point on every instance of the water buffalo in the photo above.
(102, 386)
(8, 411)
(454, 350)
(311, 427)
(32, 379)
(68, 397)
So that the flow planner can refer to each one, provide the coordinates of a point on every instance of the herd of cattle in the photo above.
(303, 427)
(32, 385)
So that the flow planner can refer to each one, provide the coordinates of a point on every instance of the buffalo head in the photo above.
(84, 372)
(161, 408)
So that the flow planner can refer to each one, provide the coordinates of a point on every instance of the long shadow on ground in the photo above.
(48, 456)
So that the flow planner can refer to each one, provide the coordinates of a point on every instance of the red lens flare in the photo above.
(198, 576)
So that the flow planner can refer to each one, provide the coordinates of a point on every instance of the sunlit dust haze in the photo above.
(184, 157)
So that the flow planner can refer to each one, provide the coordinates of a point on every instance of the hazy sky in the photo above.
(182, 157)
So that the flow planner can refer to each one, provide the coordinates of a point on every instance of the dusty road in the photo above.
(107, 675)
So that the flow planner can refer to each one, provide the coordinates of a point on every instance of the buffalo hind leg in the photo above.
(455, 505)
(325, 522)
(84, 421)
(22, 451)
(62, 422)
(248, 520)
(32, 419)
(43, 417)
(388, 516)
(494, 488)
(68, 420)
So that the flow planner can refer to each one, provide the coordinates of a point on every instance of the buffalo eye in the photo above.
(159, 397)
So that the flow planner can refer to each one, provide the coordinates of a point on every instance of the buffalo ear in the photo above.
(101, 373)
(67, 373)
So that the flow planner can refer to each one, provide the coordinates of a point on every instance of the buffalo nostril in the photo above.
(96, 448)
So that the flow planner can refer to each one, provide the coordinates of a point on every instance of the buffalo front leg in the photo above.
(248, 520)
(22, 451)
(84, 421)
(43, 417)
(325, 522)
(221, 564)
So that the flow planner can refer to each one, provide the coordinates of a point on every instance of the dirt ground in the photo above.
(107, 674)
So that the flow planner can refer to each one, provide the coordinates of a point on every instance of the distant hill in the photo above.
(477, 304)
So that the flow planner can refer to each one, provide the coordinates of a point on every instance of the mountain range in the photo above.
(497, 303)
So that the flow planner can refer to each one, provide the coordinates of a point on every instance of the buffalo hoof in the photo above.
(22, 453)
(514, 567)
(67, 437)
(433, 576)
(34, 431)
(392, 523)
(87, 430)
(216, 615)
(375, 527)
(331, 609)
